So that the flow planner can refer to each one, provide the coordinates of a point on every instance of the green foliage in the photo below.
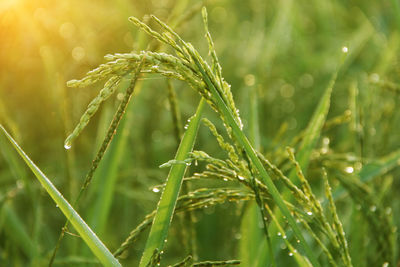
(304, 175)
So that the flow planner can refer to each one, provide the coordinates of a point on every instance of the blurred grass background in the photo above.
(284, 52)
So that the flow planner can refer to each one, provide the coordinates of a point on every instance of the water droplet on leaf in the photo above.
(155, 190)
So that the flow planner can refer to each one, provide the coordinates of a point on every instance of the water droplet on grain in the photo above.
(290, 254)
(279, 234)
(345, 49)
(225, 179)
(284, 237)
(309, 213)
(67, 145)
(241, 178)
(349, 169)
(155, 190)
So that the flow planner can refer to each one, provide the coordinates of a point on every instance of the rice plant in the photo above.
(319, 190)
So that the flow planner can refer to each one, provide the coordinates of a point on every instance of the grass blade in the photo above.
(166, 206)
(94, 243)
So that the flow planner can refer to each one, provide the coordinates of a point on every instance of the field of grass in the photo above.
(199, 133)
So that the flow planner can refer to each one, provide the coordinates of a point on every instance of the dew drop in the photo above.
(385, 264)
(345, 49)
(284, 237)
(225, 179)
(298, 241)
(155, 190)
(186, 126)
(349, 169)
(241, 178)
(290, 254)
(67, 145)
(309, 213)
(57, 206)
(279, 234)
(188, 163)
(372, 208)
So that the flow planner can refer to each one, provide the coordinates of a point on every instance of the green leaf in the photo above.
(94, 243)
(167, 203)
